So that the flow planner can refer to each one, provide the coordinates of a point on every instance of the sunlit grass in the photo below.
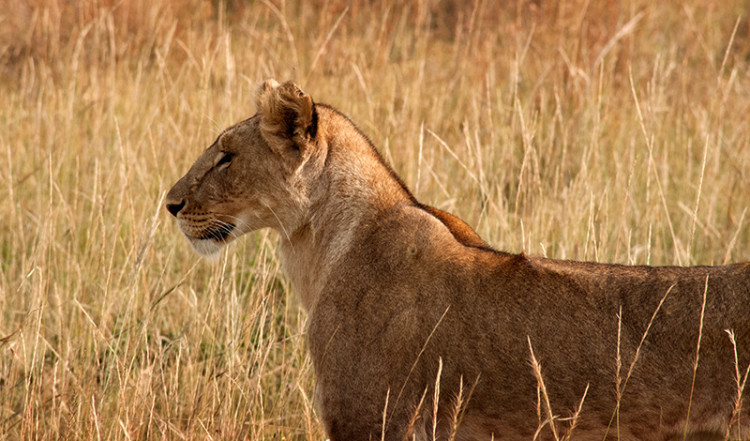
(616, 133)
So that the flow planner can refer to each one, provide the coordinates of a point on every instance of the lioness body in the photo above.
(410, 311)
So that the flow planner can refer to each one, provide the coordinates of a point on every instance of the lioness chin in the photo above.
(417, 327)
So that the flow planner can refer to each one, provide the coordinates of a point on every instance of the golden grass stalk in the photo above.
(622, 386)
(697, 359)
(551, 417)
(741, 380)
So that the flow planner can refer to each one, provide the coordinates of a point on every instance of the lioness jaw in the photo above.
(417, 326)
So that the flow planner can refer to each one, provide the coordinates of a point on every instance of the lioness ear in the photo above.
(287, 114)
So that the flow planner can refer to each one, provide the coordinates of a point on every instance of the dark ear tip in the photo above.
(287, 112)
(312, 129)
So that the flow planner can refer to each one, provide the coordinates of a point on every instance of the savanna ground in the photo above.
(616, 131)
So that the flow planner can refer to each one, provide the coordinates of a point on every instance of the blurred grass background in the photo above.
(615, 131)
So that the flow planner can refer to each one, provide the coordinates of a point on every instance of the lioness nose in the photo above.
(175, 208)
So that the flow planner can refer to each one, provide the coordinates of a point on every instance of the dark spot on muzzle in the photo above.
(218, 234)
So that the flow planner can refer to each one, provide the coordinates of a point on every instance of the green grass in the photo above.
(615, 131)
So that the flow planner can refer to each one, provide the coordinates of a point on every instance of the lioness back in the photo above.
(417, 328)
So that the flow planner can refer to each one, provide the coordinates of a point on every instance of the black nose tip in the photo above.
(175, 208)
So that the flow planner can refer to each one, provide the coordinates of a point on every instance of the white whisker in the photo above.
(283, 229)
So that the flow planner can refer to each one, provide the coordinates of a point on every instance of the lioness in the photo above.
(419, 329)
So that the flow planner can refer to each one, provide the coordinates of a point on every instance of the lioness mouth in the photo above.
(218, 234)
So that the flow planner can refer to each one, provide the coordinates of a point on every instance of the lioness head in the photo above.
(253, 176)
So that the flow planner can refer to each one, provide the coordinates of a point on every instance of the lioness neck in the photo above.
(354, 189)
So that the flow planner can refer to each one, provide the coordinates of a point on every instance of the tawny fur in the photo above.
(403, 297)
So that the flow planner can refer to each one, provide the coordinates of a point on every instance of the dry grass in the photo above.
(610, 131)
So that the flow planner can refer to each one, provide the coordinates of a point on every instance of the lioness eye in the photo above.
(225, 159)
